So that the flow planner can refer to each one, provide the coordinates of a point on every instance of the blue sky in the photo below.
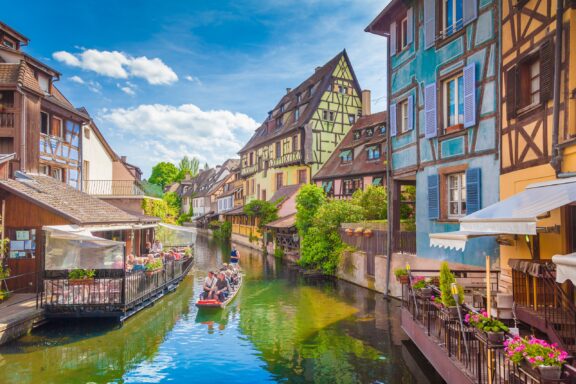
(167, 78)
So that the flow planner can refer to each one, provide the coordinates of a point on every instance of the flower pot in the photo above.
(426, 292)
(454, 128)
(349, 231)
(72, 282)
(358, 232)
(403, 279)
(496, 338)
(550, 372)
(368, 233)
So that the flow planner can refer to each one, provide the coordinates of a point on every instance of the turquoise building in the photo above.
(443, 83)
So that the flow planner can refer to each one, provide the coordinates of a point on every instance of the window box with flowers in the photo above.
(487, 328)
(536, 354)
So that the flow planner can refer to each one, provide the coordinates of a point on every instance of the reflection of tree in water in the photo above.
(304, 334)
(172, 236)
(103, 355)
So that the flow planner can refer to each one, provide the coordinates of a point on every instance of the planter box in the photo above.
(491, 338)
(450, 312)
(454, 128)
(403, 279)
(72, 282)
(152, 273)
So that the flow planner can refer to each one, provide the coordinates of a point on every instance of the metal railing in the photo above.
(481, 361)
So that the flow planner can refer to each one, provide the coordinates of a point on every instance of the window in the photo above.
(56, 173)
(278, 151)
(86, 170)
(6, 99)
(403, 33)
(281, 108)
(350, 186)
(453, 90)
(44, 169)
(279, 122)
(251, 158)
(451, 16)
(403, 116)
(302, 176)
(298, 98)
(369, 132)
(295, 143)
(382, 130)
(310, 90)
(351, 119)
(328, 115)
(296, 114)
(263, 194)
(57, 127)
(373, 152)
(342, 89)
(8, 43)
(346, 156)
(377, 181)
(44, 83)
(87, 133)
(44, 126)
(279, 180)
(357, 134)
(529, 93)
(456, 194)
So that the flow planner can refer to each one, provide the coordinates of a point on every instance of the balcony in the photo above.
(121, 188)
(6, 118)
(248, 171)
(286, 159)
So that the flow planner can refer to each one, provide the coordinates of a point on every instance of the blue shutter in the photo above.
(431, 128)
(410, 25)
(469, 11)
(392, 39)
(470, 95)
(410, 113)
(429, 23)
(393, 121)
(473, 190)
(433, 197)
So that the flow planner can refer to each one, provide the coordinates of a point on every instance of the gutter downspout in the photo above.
(556, 161)
(389, 212)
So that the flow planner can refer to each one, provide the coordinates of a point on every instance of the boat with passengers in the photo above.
(234, 279)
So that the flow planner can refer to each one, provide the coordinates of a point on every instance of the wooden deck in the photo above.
(18, 316)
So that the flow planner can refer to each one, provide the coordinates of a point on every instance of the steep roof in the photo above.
(65, 201)
(284, 193)
(310, 92)
(360, 164)
(380, 25)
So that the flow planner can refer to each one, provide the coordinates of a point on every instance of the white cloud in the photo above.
(193, 79)
(166, 132)
(119, 65)
(129, 88)
(77, 79)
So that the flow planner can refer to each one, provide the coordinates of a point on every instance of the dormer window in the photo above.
(357, 134)
(382, 130)
(346, 156)
(44, 83)
(279, 122)
(282, 108)
(8, 43)
(296, 114)
(369, 132)
(298, 98)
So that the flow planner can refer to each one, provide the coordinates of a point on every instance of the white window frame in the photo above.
(458, 24)
(403, 123)
(403, 32)
(460, 178)
(446, 105)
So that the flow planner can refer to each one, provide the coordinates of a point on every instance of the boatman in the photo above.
(234, 255)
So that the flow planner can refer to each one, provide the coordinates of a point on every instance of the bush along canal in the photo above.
(280, 328)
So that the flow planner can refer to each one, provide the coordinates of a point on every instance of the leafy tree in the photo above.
(187, 166)
(264, 211)
(374, 201)
(173, 200)
(309, 199)
(163, 174)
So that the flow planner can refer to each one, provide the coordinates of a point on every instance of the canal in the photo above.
(280, 328)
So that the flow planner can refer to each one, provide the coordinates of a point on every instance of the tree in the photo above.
(309, 199)
(206, 166)
(374, 201)
(163, 174)
(187, 166)
(264, 212)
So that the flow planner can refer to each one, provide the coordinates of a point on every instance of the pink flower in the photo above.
(531, 360)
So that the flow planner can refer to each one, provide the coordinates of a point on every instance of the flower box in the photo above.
(368, 233)
(550, 372)
(491, 338)
(73, 282)
(349, 231)
(450, 312)
(403, 279)
(454, 128)
(358, 232)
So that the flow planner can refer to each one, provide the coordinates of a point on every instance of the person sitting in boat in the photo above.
(209, 283)
(157, 247)
(222, 288)
(234, 255)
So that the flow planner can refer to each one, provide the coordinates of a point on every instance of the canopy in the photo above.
(565, 267)
(74, 232)
(284, 222)
(517, 215)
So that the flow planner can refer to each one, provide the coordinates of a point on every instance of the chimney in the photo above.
(123, 159)
(366, 103)
(288, 90)
(317, 69)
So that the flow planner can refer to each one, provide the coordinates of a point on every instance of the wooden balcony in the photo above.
(7, 118)
(248, 171)
(286, 159)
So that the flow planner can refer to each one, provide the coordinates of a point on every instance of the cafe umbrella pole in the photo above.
(456, 296)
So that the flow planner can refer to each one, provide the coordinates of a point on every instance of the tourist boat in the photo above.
(213, 303)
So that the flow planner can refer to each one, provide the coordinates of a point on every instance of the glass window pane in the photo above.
(458, 6)
(451, 103)
(460, 100)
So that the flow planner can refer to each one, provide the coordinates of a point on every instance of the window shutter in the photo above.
(393, 39)
(410, 112)
(473, 190)
(393, 121)
(511, 80)
(469, 11)
(410, 25)
(546, 70)
(430, 110)
(433, 197)
(470, 95)
(429, 23)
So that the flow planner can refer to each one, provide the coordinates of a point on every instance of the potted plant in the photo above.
(153, 267)
(493, 330)
(402, 276)
(368, 233)
(546, 358)
(349, 231)
(81, 276)
(421, 286)
(446, 280)
(359, 231)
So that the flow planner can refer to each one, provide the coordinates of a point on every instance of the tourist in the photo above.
(148, 248)
(222, 288)
(118, 262)
(130, 262)
(157, 247)
(234, 255)
(150, 259)
(209, 283)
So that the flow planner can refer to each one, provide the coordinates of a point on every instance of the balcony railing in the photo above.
(6, 119)
(247, 171)
(286, 159)
(121, 188)
(459, 352)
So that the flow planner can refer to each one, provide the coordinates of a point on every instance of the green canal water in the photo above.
(280, 328)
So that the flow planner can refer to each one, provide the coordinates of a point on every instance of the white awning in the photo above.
(565, 267)
(454, 240)
(75, 232)
(517, 215)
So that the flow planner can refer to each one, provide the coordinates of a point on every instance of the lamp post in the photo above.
(456, 296)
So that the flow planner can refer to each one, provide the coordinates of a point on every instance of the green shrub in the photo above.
(308, 201)
(400, 272)
(374, 201)
(79, 274)
(223, 231)
(278, 253)
(153, 266)
(446, 280)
